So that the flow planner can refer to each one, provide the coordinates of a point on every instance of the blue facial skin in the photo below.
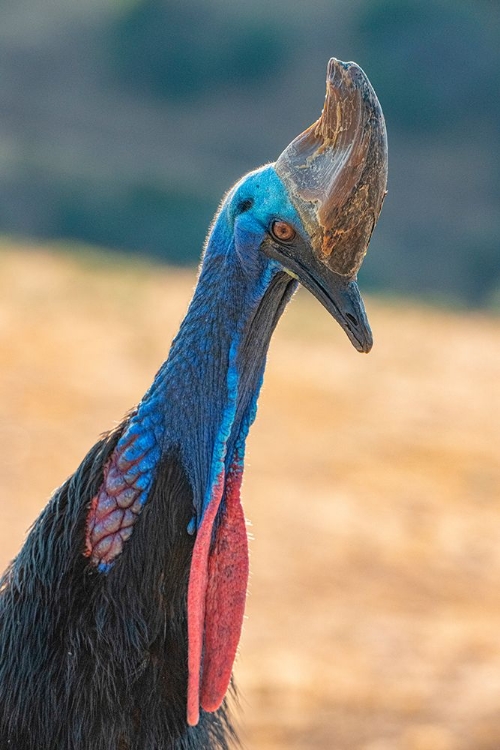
(203, 399)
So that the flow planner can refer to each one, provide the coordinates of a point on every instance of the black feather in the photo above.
(99, 662)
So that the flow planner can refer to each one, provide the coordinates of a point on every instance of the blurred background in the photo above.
(124, 121)
(374, 608)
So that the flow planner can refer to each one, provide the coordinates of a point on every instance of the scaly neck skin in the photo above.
(210, 382)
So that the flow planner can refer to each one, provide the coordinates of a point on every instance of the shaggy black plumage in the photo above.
(95, 662)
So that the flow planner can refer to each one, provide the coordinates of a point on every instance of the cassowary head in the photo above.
(314, 210)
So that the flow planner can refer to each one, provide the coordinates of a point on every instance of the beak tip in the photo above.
(365, 346)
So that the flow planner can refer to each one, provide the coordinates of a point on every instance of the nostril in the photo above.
(353, 320)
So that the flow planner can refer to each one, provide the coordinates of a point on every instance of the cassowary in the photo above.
(121, 616)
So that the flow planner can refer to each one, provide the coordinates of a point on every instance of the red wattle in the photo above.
(197, 589)
(226, 596)
(216, 597)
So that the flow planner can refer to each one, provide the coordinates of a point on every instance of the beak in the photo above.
(338, 294)
(343, 300)
(335, 173)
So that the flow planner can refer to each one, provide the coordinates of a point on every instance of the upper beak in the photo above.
(343, 300)
(338, 294)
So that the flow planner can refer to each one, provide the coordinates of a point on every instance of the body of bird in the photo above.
(120, 617)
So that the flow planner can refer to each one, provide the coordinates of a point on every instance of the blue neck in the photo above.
(203, 399)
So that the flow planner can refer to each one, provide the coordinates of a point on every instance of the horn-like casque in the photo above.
(336, 170)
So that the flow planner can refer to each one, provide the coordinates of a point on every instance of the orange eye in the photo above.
(282, 231)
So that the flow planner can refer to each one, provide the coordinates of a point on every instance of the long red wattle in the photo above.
(226, 596)
(216, 596)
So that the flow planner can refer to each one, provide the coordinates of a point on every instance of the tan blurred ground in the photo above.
(372, 483)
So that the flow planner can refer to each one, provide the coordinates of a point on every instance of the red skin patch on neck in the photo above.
(216, 598)
(226, 597)
(198, 580)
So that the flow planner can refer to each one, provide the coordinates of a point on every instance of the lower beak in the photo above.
(338, 294)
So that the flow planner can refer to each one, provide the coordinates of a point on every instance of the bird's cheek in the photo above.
(247, 231)
(247, 241)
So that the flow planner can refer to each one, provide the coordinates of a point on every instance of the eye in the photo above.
(282, 231)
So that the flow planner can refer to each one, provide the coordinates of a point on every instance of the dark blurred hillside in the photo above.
(124, 121)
